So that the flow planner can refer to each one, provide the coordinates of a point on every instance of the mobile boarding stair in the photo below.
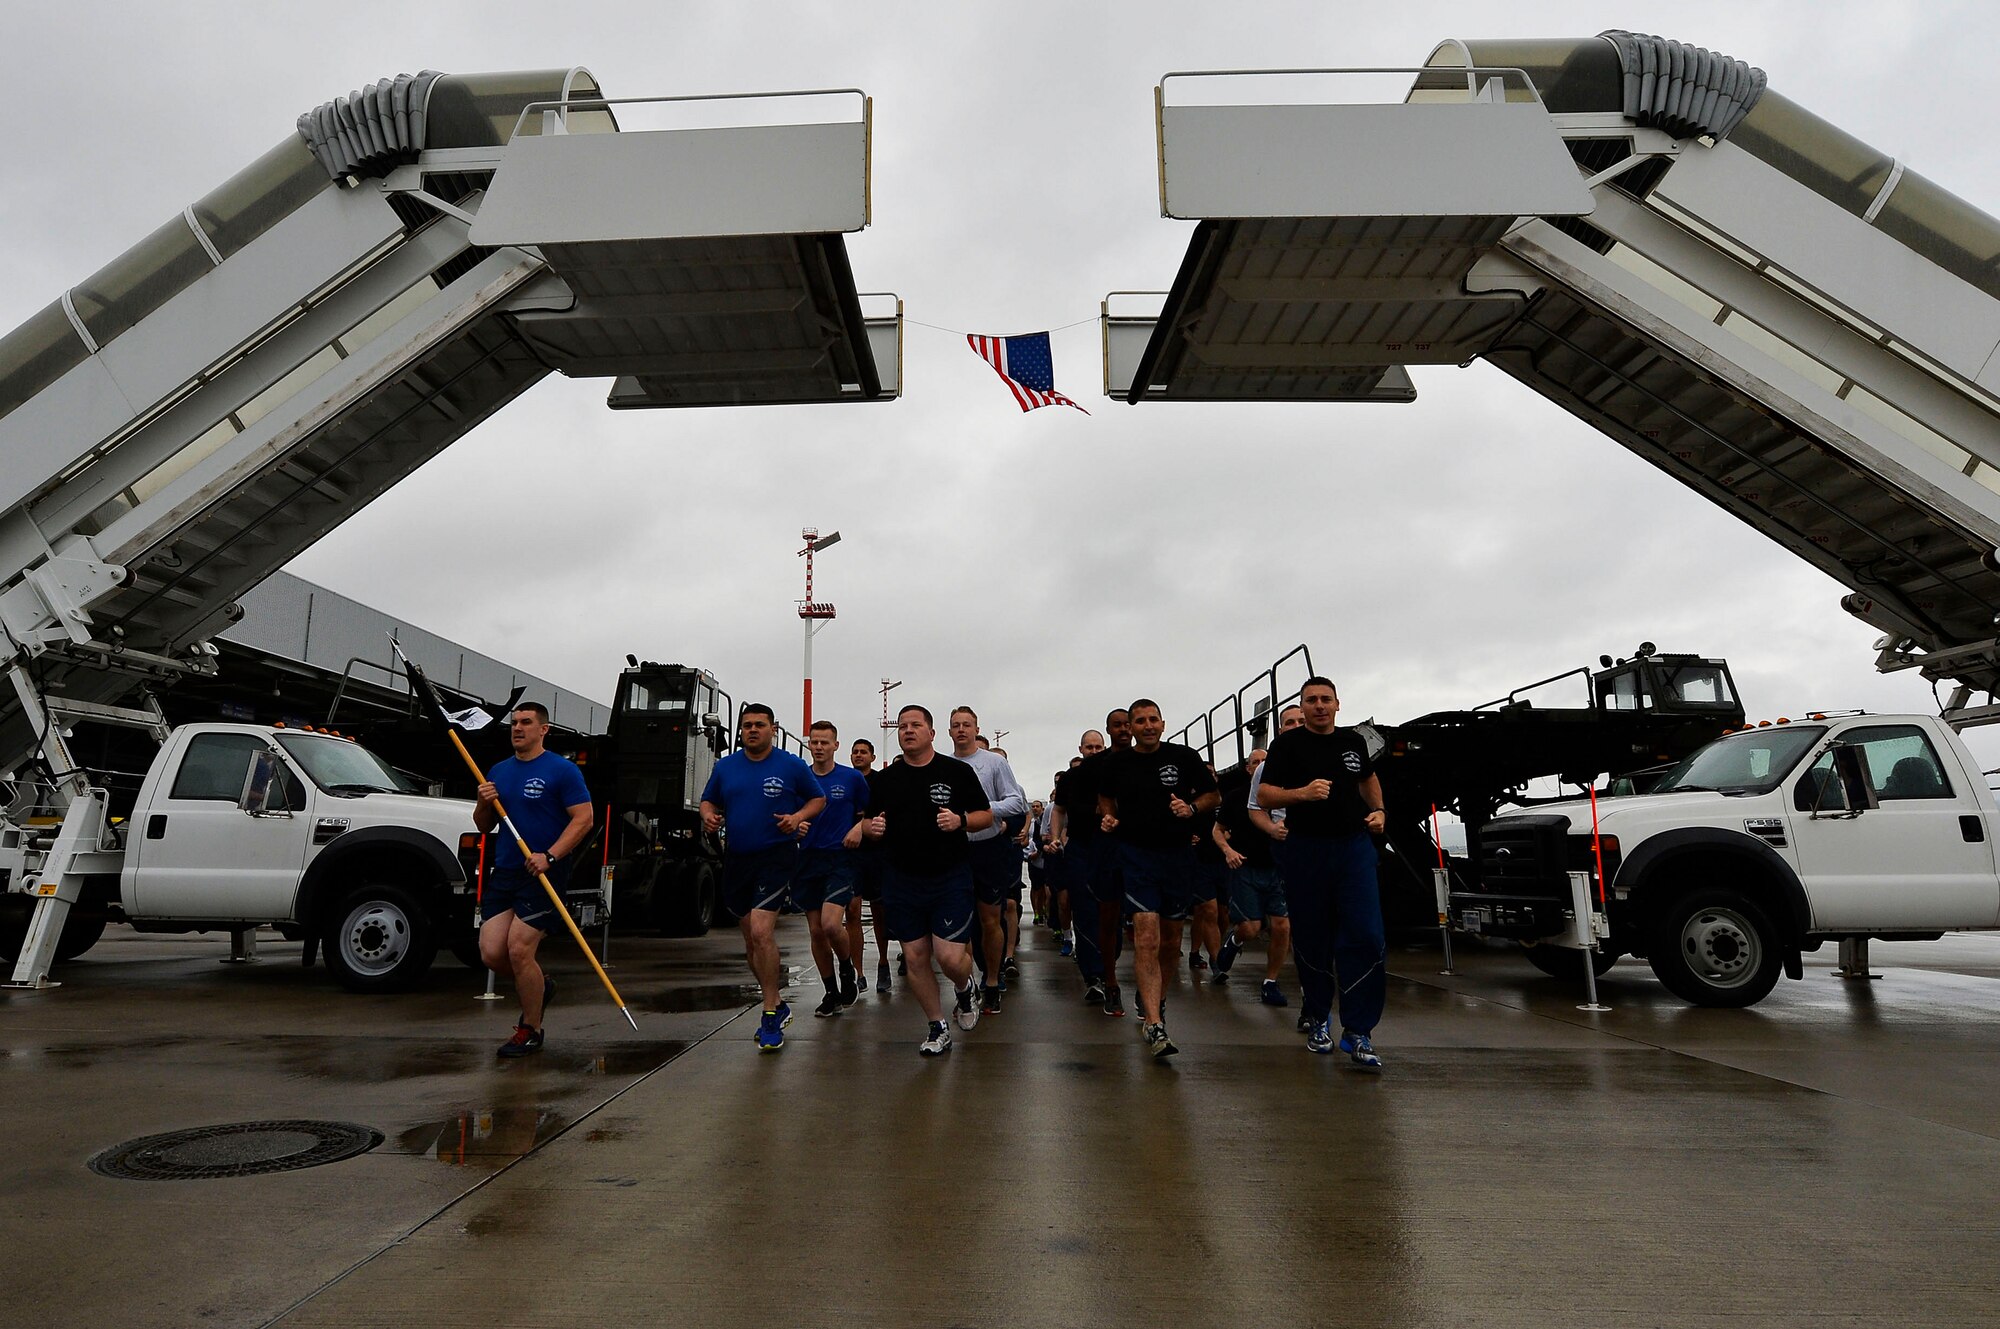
(1775, 314)
(416, 256)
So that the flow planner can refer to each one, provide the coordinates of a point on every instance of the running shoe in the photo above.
(850, 985)
(968, 1009)
(1093, 995)
(1197, 962)
(1304, 1024)
(860, 982)
(1041, 922)
(1068, 947)
(902, 966)
(989, 1002)
(1158, 1043)
(883, 987)
(1359, 1050)
(1319, 1039)
(939, 1041)
(770, 1032)
(1114, 1000)
(784, 1013)
(1010, 968)
(830, 1004)
(1273, 995)
(1231, 948)
(524, 1041)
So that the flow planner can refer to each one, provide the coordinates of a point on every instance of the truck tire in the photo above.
(378, 938)
(1715, 946)
(1565, 963)
(691, 910)
(83, 929)
(465, 949)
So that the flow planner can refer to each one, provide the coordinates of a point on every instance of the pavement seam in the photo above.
(494, 1175)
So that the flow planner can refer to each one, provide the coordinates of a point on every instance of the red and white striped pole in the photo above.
(814, 615)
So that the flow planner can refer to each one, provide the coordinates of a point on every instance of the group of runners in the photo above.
(1138, 838)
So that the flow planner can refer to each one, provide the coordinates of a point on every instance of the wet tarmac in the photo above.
(1825, 1158)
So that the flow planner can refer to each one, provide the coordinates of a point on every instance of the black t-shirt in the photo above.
(1206, 850)
(1244, 836)
(1142, 783)
(1298, 757)
(1076, 795)
(908, 798)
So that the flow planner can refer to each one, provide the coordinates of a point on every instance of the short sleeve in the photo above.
(1360, 749)
(806, 784)
(712, 791)
(575, 789)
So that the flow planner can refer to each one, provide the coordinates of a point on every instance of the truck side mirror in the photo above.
(264, 786)
(1853, 768)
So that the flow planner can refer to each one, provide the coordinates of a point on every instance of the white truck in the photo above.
(1764, 844)
(241, 826)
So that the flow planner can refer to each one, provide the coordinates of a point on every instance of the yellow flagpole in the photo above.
(561, 908)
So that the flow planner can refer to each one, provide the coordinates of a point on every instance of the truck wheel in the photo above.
(691, 911)
(465, 949)
(1565, 963)
(1716, 947)
(83, 929)
(379, 939)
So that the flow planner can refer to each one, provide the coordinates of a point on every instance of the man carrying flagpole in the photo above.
(550, 806)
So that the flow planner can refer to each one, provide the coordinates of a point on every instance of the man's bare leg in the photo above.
(760, 948)
(955, 958)
(493, 945)
(1170, 948)
(917, 958)
(1146, 964)
(522, 941)
(1281, 945)
(993, 937)
(856, 943)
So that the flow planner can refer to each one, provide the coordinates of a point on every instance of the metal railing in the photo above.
(1247, 728)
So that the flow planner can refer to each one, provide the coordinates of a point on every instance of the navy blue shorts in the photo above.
(758, 879)
(1107, 869)
(938, 906)
(996, 870)
(869, 868)
(1158, 881)
(1211, 882)
(825, 877)
(1257, 893)
(517, 890)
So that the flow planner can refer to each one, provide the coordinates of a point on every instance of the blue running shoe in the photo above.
(1359, 1050)
(1320, 1040)
(1273, 995)
(784, 1013)
(1231, 948)
(770, 1033)
(1068, 947)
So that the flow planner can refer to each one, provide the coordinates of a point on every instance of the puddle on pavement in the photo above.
(706, 997)
(492, 1135)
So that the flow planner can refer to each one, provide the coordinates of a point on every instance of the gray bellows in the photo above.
(1685, 90)
(372, 130)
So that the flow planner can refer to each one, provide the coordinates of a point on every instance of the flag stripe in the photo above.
(999, 353)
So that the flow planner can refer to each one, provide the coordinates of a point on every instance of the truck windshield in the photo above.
(341, 767)
(1752, 762)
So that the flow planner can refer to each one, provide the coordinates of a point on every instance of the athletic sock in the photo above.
(832, 982)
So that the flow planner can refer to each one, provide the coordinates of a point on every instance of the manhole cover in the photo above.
(237, 1149)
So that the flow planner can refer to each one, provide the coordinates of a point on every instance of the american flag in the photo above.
(1024, 365)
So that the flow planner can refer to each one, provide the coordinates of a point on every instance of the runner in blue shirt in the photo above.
(546, 798)
(826, 877)
(764, 795)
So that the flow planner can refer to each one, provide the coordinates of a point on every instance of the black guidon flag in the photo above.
(480, 724)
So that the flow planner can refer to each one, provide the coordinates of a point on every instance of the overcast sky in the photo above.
(1041, 567)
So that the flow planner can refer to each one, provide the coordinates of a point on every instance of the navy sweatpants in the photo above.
(1337, 939)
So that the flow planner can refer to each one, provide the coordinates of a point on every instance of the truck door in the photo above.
(201, 856)
(1921, 859)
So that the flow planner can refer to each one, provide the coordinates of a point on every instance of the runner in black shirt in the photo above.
(1211, 887)
(1107, 871)
(1149, 800)
(1072, 843)
(920, 809)
(1322, 777)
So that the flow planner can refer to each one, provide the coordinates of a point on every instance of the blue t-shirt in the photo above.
(754, 794)
(846, 798)
(538, 795)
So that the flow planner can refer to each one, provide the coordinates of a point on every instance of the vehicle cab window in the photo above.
(1901, 763)
(215, 766)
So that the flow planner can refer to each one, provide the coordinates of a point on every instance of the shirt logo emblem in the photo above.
(1170, 776)
(941, 793)
(774, 787)
(1352, 761)
(534, 788)
(838, 792)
